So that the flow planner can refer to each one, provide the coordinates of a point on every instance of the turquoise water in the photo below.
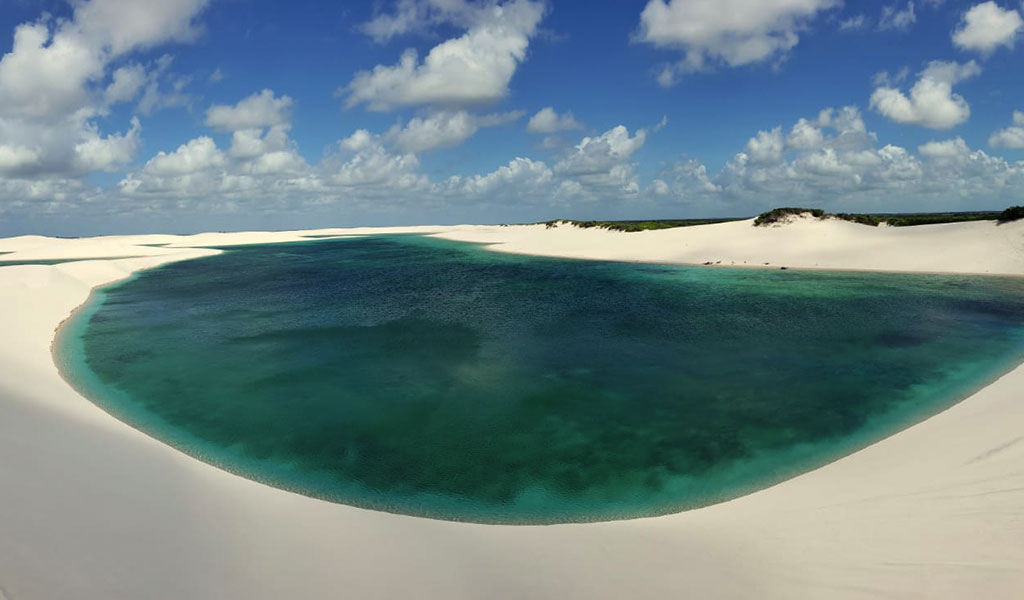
(434, 378)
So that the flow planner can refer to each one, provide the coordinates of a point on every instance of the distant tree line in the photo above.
(780, 215)
(1014, 213)
(632, 226)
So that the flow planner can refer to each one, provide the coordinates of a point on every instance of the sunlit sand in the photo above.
(936, 511)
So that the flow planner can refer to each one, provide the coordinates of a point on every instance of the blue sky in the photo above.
(147, 115)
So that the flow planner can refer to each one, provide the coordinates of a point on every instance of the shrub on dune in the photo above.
(1014, 213)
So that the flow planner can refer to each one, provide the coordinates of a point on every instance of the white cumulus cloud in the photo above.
(122, 25)
(832, 161)
(261, 161)
(259, 110)
(548, 121)
(256, 167)
(56, 81)
(1012, 136)
(103, 153)
(196, 155)
(987, 26)
(125, 84)
(519, 174)
(829, 160)
(374, 166)
(473, 68)
(47, 71)
(729, 32)
(599, 154)
(931, 102)
(417, 16)
(946, 149)
(443, 130)
(766, 146)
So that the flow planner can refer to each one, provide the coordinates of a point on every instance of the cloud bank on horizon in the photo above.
(127, 115)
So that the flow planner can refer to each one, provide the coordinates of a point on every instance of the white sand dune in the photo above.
(90, 508)
(980, 247)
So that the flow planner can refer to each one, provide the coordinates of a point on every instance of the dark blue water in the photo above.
(435, 378)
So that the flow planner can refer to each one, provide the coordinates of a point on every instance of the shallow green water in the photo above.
(433, 378)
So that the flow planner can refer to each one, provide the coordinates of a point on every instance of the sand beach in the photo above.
(92, 508)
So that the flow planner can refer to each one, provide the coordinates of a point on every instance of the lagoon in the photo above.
(438, 379)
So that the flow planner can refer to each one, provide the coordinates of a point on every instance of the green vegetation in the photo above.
(781, 214)
(894, 220)
(1014, 213)
(631, 226)
(863, 219)
(909, 220)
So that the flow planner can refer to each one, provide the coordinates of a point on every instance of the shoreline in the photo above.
(762, 267)
(841, 530)
(81, 390)
(802, 244)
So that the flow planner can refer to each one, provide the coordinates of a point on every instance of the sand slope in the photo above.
(90, 508)
(980, 247)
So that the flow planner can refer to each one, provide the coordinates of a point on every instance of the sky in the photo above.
(126, 116)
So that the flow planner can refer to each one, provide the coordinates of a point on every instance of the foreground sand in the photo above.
(90, 508)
